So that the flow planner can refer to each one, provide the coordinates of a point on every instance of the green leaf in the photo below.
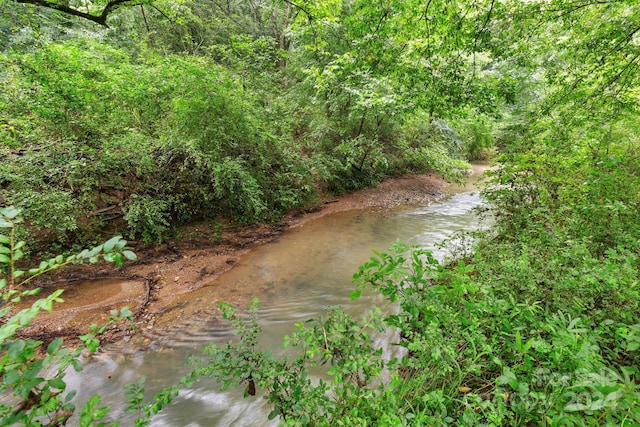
(93, 252)
(273, 414)
(4, 250)
(57, 383)
(16, 348)
(5, 239)
(126, 313)
(70, 396)
(11, 377)
(54, 346)
(130, 255)
(111, 243)
(10, 212)
(5, 259)
(77, 366)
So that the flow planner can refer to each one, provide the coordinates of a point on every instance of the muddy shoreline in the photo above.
(166, 276)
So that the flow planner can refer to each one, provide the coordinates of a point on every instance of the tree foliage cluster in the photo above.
(244, 110)
(175, 118)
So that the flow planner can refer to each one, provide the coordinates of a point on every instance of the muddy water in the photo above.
(308, 268)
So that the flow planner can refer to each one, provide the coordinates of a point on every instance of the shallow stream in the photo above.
(306, 269)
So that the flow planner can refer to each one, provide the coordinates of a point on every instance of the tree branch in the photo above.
(100, 19)
(306, 12)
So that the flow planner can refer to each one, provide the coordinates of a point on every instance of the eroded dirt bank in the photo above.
(164, 277)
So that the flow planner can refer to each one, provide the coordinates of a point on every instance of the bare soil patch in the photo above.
(164, 276)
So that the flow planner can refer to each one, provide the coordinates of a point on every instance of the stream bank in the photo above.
(165, 276)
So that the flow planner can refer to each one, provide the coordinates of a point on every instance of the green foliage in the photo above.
(33, 374)
(229, 119)
(147, 216)
(481, 348)
(163, 140)
(297, 398)
(479, 141)
(538, 327)
(238, 190)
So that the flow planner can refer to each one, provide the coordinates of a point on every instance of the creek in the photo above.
(308, 268)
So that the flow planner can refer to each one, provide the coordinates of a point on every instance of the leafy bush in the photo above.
(238, 191)
(147, 217)
(480, 350)
(164, 140)
(33, 375)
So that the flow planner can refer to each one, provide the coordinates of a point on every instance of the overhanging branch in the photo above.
(100, 19)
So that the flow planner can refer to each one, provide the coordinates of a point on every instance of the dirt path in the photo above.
(164, 276)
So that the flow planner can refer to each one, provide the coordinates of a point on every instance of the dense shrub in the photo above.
(163, 140)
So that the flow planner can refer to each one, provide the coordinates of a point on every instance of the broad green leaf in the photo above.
(54, 346)
(93, 252)
(111, 243)
(10, 212)
(16, 348)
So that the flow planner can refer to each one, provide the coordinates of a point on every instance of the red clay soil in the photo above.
(165, 275)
